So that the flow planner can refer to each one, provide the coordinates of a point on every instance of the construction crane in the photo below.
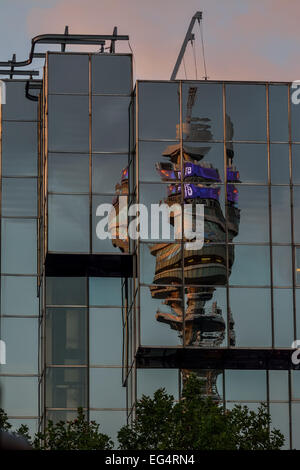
(190, 37)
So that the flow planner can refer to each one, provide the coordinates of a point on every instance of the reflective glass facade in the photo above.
(232, 147)
(19, 379)
(80, 329)
(86, 147)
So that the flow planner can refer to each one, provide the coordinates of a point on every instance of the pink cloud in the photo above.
(250, 40)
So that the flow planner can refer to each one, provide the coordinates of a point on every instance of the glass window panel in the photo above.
(68, 223)
(26, 302)
(280, 420)
(21, 338)
(133, 117)
(148, 381)
(251, 406)
(153, 153)
(62, 415)
(19, 155)
(167, 155)
(283, 317)
(110, 124)
(66, 336)
(251, 160)
(19, 197)
(295, 384)
(254, 214)
(220, 384)
(158, 110)
(106, 389)
(156, 194)
(129, 343)
(297, 261)
(111, 74)
(206, 266)
(279, 415)
(295, 117)
(129, 384)
(206, 153)
(105, 328)
(110, 422)
(208, 304)
(107, 226)
(251, 311)
(279, 164)
(19, 396)
(295, 425)
(246, 385)
(154, 228)
(19, 242)
(296, 163)
(132, 180)
(68, 173)
(251, 266)
(278, 109)
(278, 385)
(66, 291)
(107, 172)
(281, 214)
(32, 424)
(154, 316)
(17, 106)
(297, 313)
(202, 111)
(66, 387)
(105, 291)
(68, 73)
(68, 123)
(160, 264)
(296, 195)
(246, 108)
(282, 266)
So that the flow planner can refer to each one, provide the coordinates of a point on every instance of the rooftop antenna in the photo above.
(63, 44)
(112, 48)
(12, 66)
(190, 37)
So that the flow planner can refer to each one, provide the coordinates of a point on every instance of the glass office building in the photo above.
(98, 322)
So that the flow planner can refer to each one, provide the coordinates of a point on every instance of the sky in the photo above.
(244, 39)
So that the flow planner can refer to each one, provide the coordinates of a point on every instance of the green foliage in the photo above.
(197, 423)
(78, 434)
(23, 430)
(4, 424)
(252, 430)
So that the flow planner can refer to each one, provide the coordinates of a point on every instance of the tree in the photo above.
(78, 434)
(197, 423)
(4, 424)
(9, 440)
(22, 431)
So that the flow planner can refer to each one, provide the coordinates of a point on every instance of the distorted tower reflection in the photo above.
(186, 279)
(193, 274)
